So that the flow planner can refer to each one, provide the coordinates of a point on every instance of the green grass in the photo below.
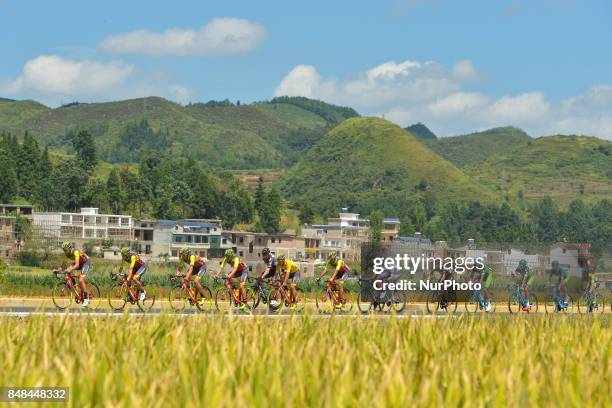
(167, 361)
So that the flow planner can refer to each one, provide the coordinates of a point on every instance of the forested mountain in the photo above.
(471, 148)
(220, 134)
(561, 167)
(421, 131)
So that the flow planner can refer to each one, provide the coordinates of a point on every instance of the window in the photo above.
(125, 221)
(174, 252)
(259, 240)
(280, 240)
(240, 253)
(65, 218)
(241, 240)
(224, 240)
(250, 248)
(273, 240)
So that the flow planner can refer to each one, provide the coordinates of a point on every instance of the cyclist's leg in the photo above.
(294, 279)
(138, 277)
(197, 280)
(487, 284)
(82, 283)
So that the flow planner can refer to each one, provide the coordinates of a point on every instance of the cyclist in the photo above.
(197, 268)
(563, 276)
(486, 279)
(271, 264)
(239, 270)
(341, 271)
(80, 262)
(526, 279)
(137, 268)
(592, 280)
(291, 272)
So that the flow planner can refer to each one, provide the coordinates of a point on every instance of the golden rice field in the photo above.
(166, 361)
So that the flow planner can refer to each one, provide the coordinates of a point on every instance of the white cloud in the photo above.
(55, 80)
(221, 36)
(411, 91)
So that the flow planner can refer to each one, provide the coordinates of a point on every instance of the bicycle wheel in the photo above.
(451, 302)
(472, 305)
(324, 302)
(93, 293)
(514, 304)
(365, 301)
(223, 300)
(149, 300)
(62, 296)
(204, 302)
(431, 303)
(398, 301)
(117, 297)
(178, 298)
(597, 303)
(551, 304)
(275, 301)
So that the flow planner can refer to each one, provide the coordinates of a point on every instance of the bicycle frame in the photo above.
(72, 284)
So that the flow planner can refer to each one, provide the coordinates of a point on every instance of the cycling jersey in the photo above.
(197, 263)
(289, 266)
(135, 262)
(235, 263)
(81, 256)
(560, 273)
(339, 266)
(271, 265)
(487, 275)
(524, 270)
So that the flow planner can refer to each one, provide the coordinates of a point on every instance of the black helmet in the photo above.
(265, 251)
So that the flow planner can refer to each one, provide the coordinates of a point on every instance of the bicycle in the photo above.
(441, 299)
(517, 300)
(124, 292)
(69, 290)
(281, 296)
(328, 300)
(186, 293)
(589, 302)
(230, 296)
(476, 302)
(259, 287)
(370, 299)
(555, 303)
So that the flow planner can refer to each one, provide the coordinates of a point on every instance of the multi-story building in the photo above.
(343, 235)
(571, 256)
(203, 238)
(14, 209)
(83, 226)
(391, 227)
(7, 237)
(143, 235)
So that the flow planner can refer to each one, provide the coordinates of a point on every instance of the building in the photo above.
(343, 235)
(391, 227)
(83, 226)
(143, 235)
(203, 238)
(14, 209)
(7, 237)
(571, 256)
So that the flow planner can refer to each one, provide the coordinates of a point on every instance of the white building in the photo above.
(343, 235)
(86, 225)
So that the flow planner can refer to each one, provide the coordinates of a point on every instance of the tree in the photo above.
(270, 213)
(85, 149)
(115, 192)
(306, 215)
(8, 179)
(407, 228)
(376, 225)
(28, 164)
(259, 194)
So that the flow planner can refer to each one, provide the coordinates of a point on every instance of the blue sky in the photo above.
(458, 66)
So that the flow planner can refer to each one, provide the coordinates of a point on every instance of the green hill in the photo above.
(421, 131)
(562, 167)
(223, 135)
(467, 149)
(369, 163)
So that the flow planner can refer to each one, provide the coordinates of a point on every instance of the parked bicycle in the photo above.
(186, 293)
(591, 302)
(372, 300)
(517, 301)
(555, 303)
(123, 292)
(281, 295)
(477, 303)
(230, 296)
(68, 290)
(329, 299)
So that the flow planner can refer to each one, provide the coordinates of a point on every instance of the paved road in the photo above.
(44, 306)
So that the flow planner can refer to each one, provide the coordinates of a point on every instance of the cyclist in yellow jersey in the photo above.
(340, 271)
(197, 268)
(291, 272)
(239, 269)
(80, 262)
(136, 269)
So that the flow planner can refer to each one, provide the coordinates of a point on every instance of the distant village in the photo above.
(160, 240)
